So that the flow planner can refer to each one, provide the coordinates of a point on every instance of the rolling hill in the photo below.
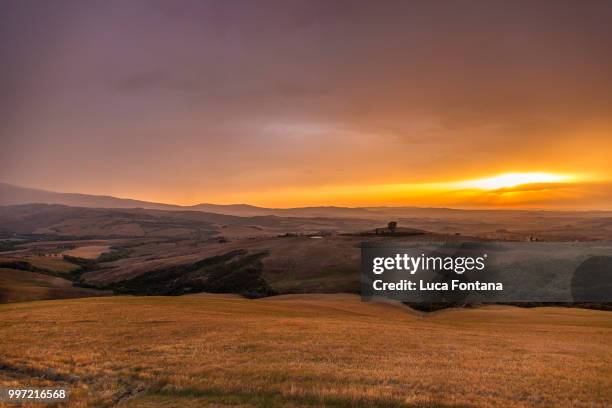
(305, 351)
(15, 195)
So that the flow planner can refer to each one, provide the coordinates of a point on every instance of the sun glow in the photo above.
(510, 180)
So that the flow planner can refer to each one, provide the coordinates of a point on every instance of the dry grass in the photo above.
(307, 350)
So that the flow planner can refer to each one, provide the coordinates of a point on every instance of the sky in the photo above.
(303, 103)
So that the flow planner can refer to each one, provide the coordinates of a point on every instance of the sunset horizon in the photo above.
(525, 190)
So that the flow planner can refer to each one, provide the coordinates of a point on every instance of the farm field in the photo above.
(88, 252)
(57, 265)
(305, 350)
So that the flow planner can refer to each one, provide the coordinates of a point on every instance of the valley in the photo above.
(99, 251)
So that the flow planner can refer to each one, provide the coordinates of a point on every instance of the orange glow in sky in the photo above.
(516, 179)
(311, 103)
(507, 190)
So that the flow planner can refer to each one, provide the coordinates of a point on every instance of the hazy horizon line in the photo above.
(187, 206)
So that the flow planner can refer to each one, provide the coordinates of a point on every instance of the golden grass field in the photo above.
(305, 350)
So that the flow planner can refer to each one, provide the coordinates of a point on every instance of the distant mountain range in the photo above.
(498, 224)
(15, 195)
